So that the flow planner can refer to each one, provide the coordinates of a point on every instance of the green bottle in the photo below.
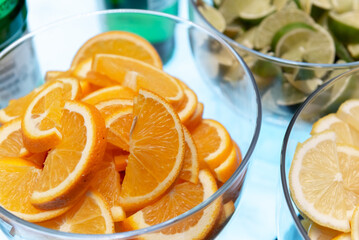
(158, 32)
(19, 68)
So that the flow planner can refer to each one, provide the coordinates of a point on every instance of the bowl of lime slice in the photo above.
(291, 47)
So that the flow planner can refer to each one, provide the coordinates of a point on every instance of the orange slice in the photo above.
(193, 121)
(107, 107)
(107, 182)
(54, 75)
(213, 143)
(118, 127)
(121, 43)
(136, 74)
(90, 215)
(188, 106)
(17, 179)
(181, 198)
(17, 107)
(226, 212)
(108, 93)
(74, 158)
(42, 116)
(225, 170)
(99, 79)
(190, 167)
(11, 144)
(121, 162)
(156, 134)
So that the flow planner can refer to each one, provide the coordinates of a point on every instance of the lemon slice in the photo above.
(349, 112)
(345, 26)
(213, 16)
(323, 180)
(355, 224)
(273, 23)
(317, 232)
(343, 236)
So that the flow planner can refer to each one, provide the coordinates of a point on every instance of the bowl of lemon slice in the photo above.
(118, 129)
(319, 166)
(291, 47)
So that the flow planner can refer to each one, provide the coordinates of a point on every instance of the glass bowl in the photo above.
(234, 101)
(273, 75)
(289, 220)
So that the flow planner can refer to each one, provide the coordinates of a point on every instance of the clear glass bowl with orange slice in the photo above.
(112, 140)
(319, 164)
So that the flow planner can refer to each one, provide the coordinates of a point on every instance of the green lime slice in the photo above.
(246, 9)
(305, 86)
(306, 5)
(279, 4)
(247, 38)
(341, 6)
(341, 51)
(345, 26)
(273, 23)
(290, 96)
(323, 4)
(354, 50)
(213, 16)
(234, 29)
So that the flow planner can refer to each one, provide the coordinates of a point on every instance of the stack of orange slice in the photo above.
(115, 139)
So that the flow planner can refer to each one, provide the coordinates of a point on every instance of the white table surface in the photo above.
(255, 217)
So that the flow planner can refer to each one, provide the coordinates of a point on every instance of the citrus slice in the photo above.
(99, 80)
(156, 134)
(108, 93)
(107, 107)
(121, 43)
(355, 224)
(15, 197)
(106, 181)
(345, 26)
(225, 170)
(213, 143)
(273, 23)
(181, 198)
(121, 162)
(11, 144)
(313, 45)
(136, 74)
(317, 232)
(349, 112)
(74, 158)
(188, 106)
(90, 215)
(343, 236)
(190, 167)
(323, 180)
(81, 69)
(17, 107)
(213, 16)
(354, 50)
(118, 126)
(194, 120)
(226, 212)
(344, 132)
(41, 118)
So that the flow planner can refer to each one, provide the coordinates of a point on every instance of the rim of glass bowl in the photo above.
(199, 207)
(283, 174)
(272, 58)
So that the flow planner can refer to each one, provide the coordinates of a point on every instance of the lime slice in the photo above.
(341, 6)
(306, 45)
(345, 26)
(246, 9)
(213, 16)
(279, 4)
(306, 5)
(234, 29)
(247, 38)
(273, 23)
(323, 4)
(353, 49)
(305, 86)
(290, 96)
(341, 51)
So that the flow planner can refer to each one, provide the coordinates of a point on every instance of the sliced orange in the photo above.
(118, 126)
(136, 74)
(181, 198)
(121, 43)
(225, 170)
(156, 151)
(109, 93)
(67, 167)
(99, 79)
(17, 179)
(107, 182)
(42, 116)
(213, 143)
(226, 212)
(17, 107)
(90, 215)
(190, 167)
(188, 106)
(107, 107)
(54, 75)
(121, 162)
(193, 121)
(11, 144)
